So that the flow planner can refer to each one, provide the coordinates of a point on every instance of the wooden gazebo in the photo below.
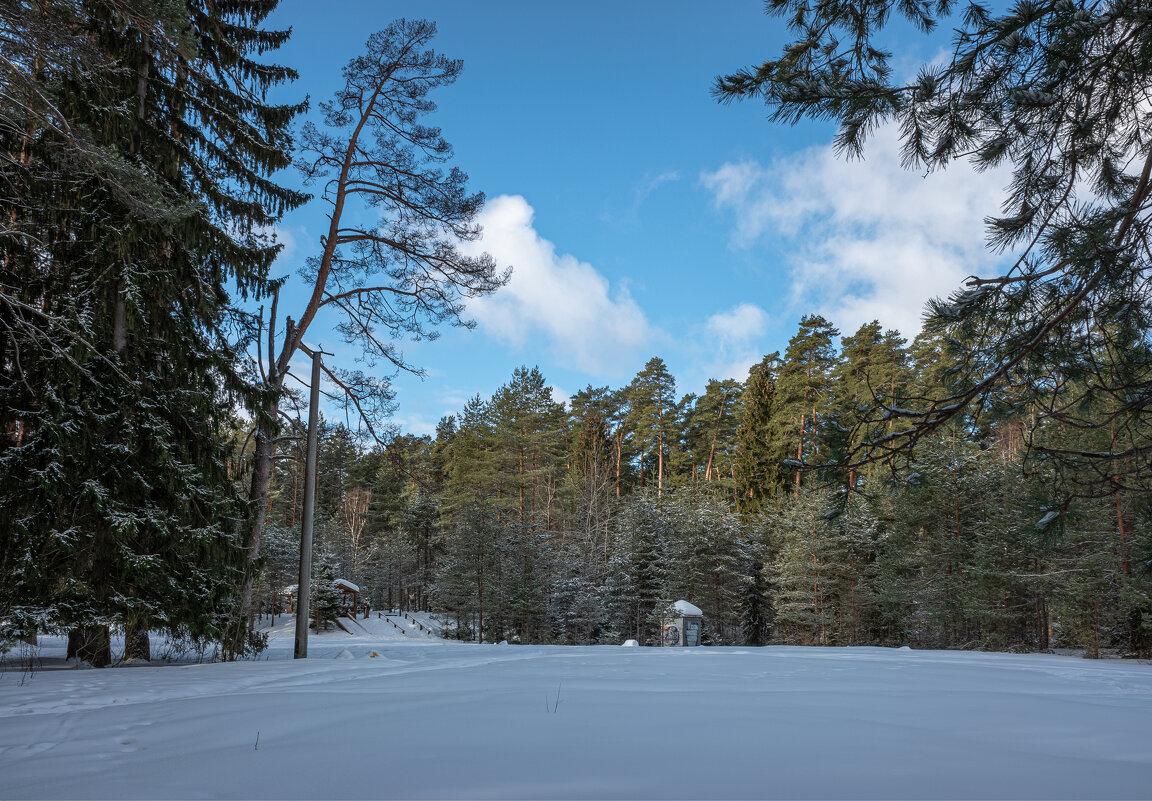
(348, 588)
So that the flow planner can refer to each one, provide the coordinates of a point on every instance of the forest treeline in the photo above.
(984, 486)
(534, 521)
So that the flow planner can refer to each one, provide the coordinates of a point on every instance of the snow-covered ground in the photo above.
(424, 718)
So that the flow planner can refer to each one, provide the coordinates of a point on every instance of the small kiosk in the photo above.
(683, 630)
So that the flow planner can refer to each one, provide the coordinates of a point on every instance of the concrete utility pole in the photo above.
(303, 588)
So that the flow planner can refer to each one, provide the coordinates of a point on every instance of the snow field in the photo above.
(433, 719)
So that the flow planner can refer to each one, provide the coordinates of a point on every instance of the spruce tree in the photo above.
(821, 569)
(755, 602)
(761, 445)
(638, 568)
(326, 597)
(115, 430)
(704, 560)
(581, 555)
(469, 582)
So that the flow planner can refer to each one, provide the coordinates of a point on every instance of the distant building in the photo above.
(684, 629)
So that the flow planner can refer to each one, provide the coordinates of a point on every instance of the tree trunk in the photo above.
(1121, 528)
(92, 644)
(715, 436)
(1042, 641)
(120, 321)
(258, 497)
(480, 611)
(800, 453)
(136, 642)
(660, 465)
(619, 448)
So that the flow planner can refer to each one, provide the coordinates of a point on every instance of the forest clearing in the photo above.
(426, 718)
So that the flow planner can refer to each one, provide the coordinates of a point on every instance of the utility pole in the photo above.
(303, 588)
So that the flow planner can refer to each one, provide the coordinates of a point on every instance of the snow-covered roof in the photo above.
(686, 609)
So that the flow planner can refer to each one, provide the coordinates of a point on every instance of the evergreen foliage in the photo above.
(638, 568)
(652, 418)
(138, 151)
(803, 390)
(325, 598)
(1050, 90)
(469, 583)
(755, 604)
(960, 547)
(761, 447)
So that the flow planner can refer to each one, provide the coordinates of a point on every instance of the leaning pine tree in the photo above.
(399, 264)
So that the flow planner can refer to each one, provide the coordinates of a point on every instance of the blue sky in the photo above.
(641, 217)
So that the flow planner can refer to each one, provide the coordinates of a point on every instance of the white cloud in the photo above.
(554, 297)
(864, 239)
(724, 345)
(653, 182)
(290, 239)
(560, 396)
(416, 424)
(739, 324)
(733, 341)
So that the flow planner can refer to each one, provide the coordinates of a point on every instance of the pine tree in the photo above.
(652, 404)
(711, 427)
(531, 450)
(623, 440)
(399, 269)
(591, 441)
(472, 458)
(871, 374)
(803, 391)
